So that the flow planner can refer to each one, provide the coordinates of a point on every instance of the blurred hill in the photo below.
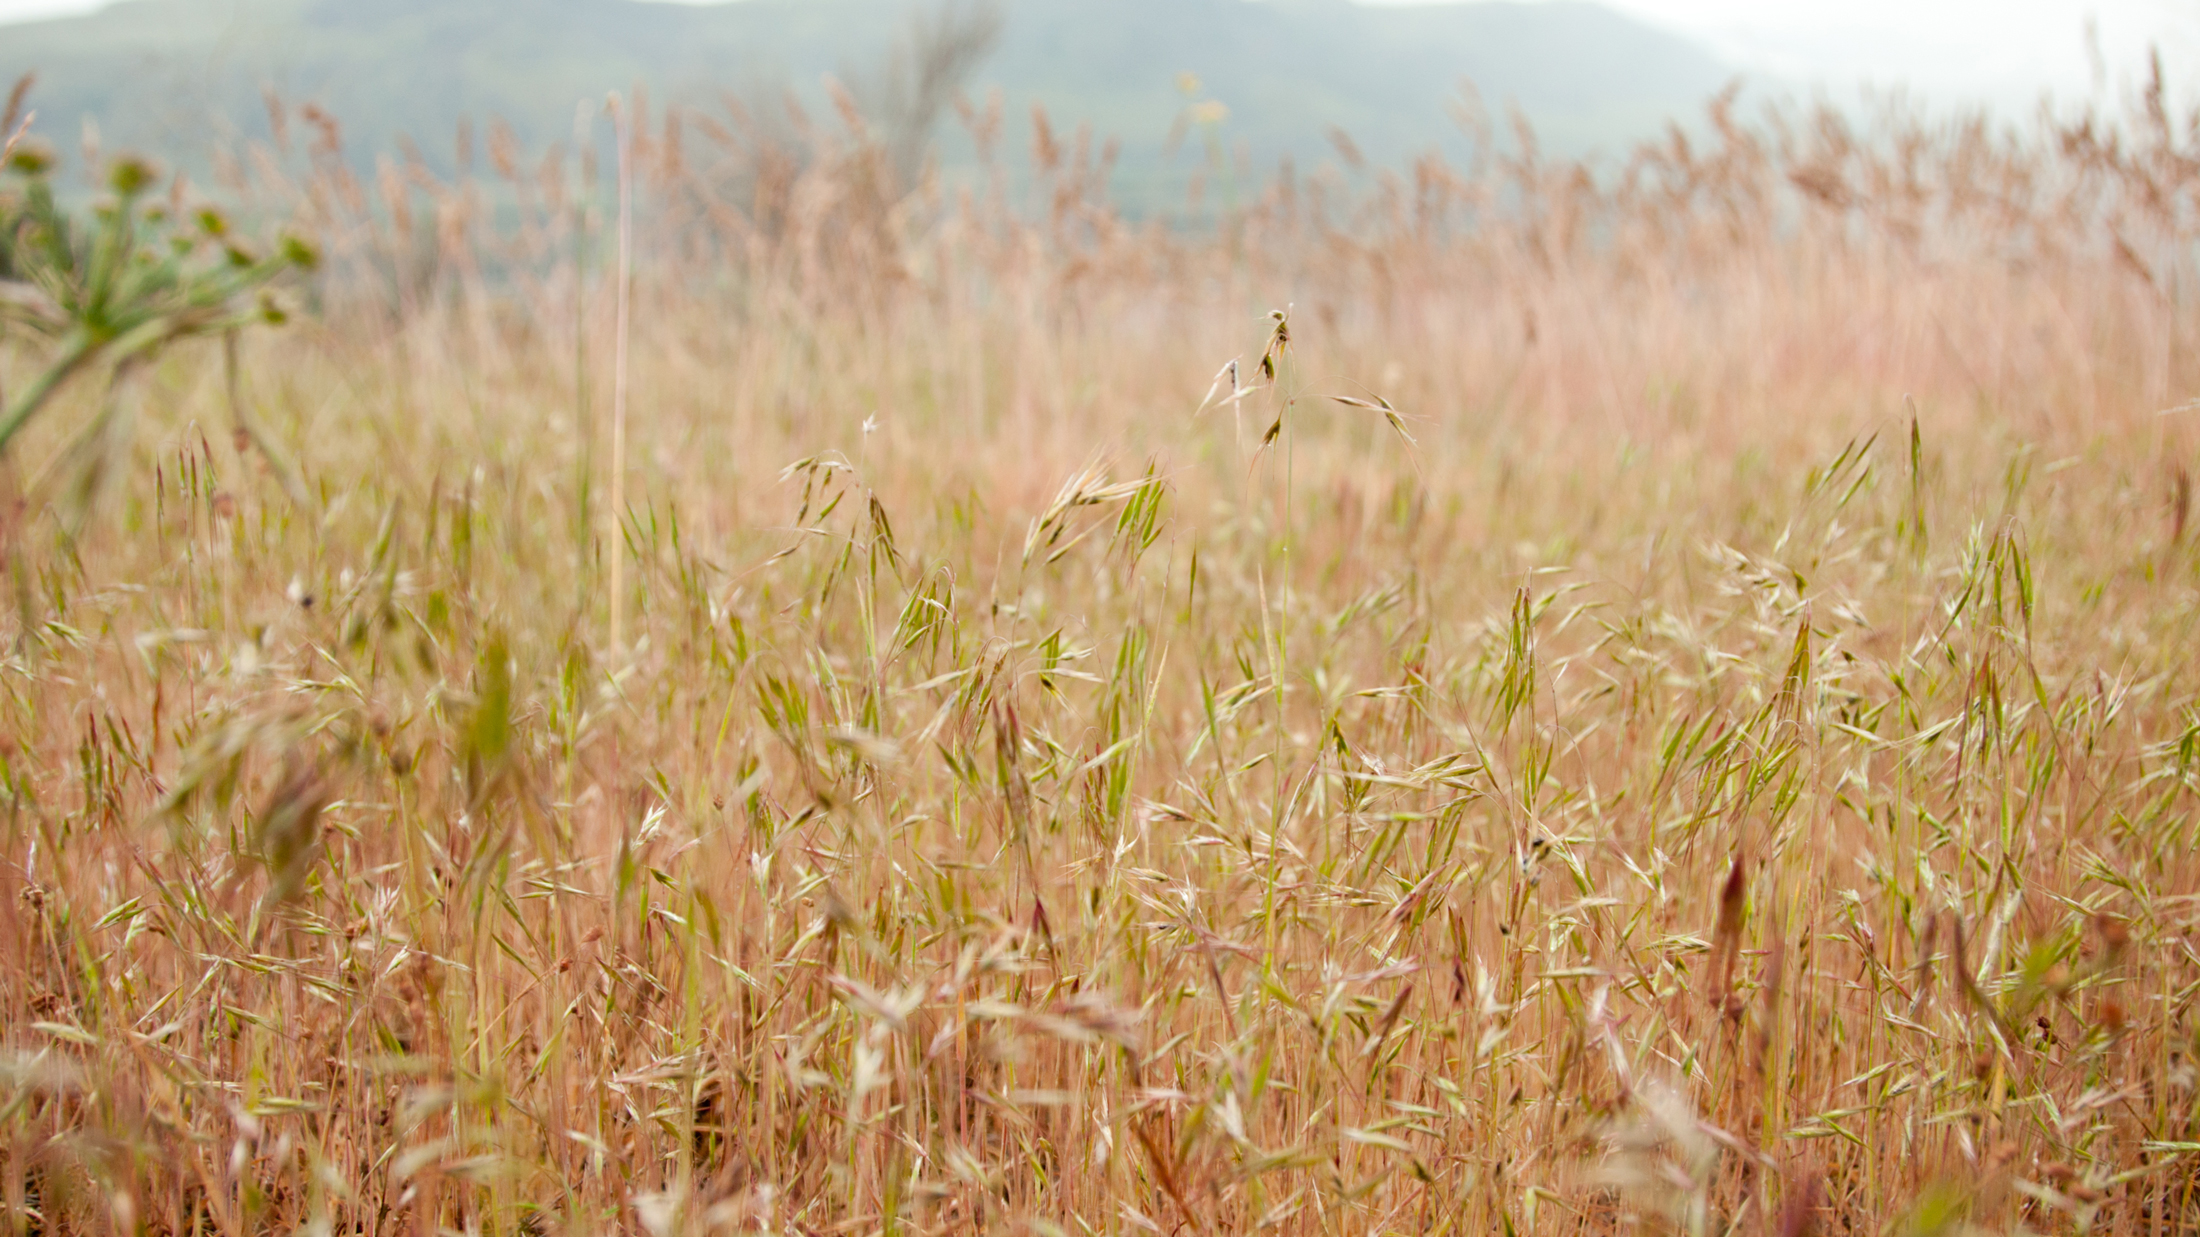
(178, 75)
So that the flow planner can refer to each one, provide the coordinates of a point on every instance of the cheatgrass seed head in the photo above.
(32, 157)
(300, 252)
(131, 175)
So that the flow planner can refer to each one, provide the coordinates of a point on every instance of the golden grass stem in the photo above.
(623, 126)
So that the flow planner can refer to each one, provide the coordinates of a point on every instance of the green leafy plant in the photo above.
(107, 289)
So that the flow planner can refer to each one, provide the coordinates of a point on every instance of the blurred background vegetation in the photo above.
(1219, 88)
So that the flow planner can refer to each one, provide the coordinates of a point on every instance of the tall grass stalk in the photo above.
(623, 131)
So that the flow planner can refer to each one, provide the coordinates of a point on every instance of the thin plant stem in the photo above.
(584, 435)
(625, 136)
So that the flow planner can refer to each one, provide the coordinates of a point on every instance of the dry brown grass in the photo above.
(1734, 770)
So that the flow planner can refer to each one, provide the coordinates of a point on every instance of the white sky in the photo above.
(2006, 50)
(16, 10)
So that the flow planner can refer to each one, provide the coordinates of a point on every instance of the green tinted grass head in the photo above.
(131, 175)
(113, 286)
(31, 157)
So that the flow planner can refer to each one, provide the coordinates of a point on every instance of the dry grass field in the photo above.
(1721, 756)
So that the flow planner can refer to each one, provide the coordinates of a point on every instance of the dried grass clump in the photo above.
(1700, 737)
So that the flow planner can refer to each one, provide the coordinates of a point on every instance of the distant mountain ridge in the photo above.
(164, 74)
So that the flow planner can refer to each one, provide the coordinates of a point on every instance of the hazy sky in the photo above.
(2005, 49)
